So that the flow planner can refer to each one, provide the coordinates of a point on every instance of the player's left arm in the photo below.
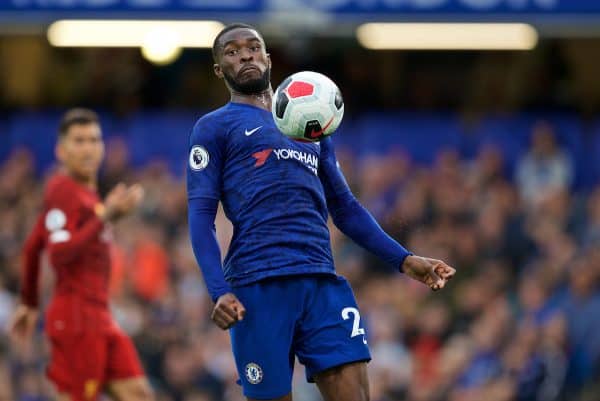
(23, 321)
(31, 254)
(358, 224)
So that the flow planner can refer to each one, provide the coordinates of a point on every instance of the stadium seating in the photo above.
(164, 136)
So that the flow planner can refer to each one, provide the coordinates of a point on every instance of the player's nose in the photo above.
(246, 55)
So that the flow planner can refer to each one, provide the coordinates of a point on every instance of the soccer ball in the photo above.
(307, 106)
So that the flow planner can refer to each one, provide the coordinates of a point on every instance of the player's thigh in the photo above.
(133, 389)
(125, 378)
(332, 332)
(77, 362)
(344, 383)
(262, 341)
(56, 394)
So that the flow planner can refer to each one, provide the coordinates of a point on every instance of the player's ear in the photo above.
(218, 70)
(59, 151)
(102, 148)
(269, 59)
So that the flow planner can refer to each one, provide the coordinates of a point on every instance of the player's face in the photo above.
(81, 150)
(243, 61)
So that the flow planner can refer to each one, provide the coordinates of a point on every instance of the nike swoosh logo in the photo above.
(316, 134)
(252, 131)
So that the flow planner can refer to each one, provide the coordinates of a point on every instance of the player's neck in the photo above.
(261, 100)
(88, 182)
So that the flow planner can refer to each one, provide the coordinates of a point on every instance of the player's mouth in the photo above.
(87, 163)
(248, 69)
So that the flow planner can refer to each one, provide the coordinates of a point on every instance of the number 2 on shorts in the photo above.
(356, 329)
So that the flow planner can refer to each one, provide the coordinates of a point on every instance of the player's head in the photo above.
(241, 59)
(80, 147)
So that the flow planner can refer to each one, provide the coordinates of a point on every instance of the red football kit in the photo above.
(87, 348)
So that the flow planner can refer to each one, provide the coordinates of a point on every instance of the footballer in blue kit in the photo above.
(277, 289)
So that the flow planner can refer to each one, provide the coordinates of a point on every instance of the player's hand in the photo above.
(432, 272)
(121, 201)
(227, 311)
(22, 324)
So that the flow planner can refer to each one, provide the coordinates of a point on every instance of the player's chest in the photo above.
(261, 147)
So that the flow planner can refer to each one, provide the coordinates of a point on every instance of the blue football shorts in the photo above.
(312, 317)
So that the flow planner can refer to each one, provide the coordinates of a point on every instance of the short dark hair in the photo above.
(217, 44)
(76, 116)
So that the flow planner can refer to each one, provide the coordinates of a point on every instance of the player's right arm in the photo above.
(204, 175)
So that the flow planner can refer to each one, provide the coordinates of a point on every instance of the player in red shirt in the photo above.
(89, 352)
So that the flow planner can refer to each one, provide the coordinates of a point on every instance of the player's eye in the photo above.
(255, 48)
(231, 52)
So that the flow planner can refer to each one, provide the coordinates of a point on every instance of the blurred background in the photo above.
(478, 144)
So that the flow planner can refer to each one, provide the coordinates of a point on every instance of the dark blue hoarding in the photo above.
(385, 9)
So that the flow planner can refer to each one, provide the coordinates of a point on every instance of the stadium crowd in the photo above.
(520, 321)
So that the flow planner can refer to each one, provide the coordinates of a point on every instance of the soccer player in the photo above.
(89, 353)
(277, 289)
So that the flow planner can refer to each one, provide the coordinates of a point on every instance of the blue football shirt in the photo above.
(270, 189)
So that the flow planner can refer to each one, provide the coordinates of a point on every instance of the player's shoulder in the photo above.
(326, 148)
(58, 182)
(213, 122)
(59, 186)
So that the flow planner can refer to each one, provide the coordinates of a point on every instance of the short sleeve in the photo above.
(62, 215)
(205, 160)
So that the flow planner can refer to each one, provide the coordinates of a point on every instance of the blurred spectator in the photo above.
(553, 352)
(116, 167)
(591, 233)
(545, 167)
(149, 263)
(523, 363)
(582, 311)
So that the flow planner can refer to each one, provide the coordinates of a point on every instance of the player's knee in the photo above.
(62, 397)
(344, 383)
(138, 391)
(363, 394)
(144, 393)
(354, 393)
(358, 393)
